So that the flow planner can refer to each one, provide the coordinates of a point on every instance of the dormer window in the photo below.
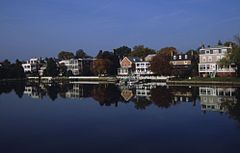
(180, 57)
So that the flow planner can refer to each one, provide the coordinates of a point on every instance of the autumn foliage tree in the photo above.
(100, 66)
(160, 64)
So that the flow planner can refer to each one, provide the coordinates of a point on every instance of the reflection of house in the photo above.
(127, 66)
(31, 65)
(79, 91)
(143, 90)
(182, 96)
(78, 66)
(208, 62)
(33, 92)
(127, 94)
(212, 99)
(75, 92)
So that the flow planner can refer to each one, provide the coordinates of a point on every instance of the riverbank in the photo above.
(205, 81)
(73, 79)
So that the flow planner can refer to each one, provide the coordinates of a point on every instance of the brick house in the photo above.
(127, 66)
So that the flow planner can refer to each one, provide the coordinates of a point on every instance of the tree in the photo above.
(107, 61)
(122, 51)
(63, 70)
(220, 43)
(230, 58)
(160, 65)
(168, 51)
(141, 52)
(80, 54)
(52, 68)
(230, 43)
(237, 39)
(193, 69)
(10, 70)
(99, 55)
(100, 66)
(64, 55)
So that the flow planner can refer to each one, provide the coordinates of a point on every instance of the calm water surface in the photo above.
(145, 118)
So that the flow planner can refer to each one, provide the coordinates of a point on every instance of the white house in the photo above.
(142, 68)
(31, 65)
(208, 62)
(78, 66)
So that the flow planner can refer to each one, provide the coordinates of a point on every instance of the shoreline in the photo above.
(198, 83)
(113, 79)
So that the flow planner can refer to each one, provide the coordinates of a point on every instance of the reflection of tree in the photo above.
(53, 91)
(162, 97)
(141, 103)
(106, 94)
(234, 108)
(17, 86)
(63, 89)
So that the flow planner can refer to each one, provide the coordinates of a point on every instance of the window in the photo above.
(186, 56)
(207, 52)
(174, 57)
(180, 57)
(209, 59)
(211, 51)
(204, 59)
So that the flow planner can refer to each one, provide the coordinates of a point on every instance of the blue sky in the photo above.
(34, 28)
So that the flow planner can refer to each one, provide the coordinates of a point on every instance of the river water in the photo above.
(145, 118)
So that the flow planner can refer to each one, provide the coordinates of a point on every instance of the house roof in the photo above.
(150, 57)
(134, 59)
(183, 57)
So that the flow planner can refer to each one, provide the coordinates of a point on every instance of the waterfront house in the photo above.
(127, 66)
(142, 68)
(31, 65)
(181, 61)
(209, 58)
(81, 66)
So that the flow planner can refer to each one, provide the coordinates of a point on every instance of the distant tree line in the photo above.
(10, 70)
(107, 62)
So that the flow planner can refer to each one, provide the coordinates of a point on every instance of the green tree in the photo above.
(141, 52)
(122, 51)
(237, 39)
(64, 55)
(52, 68)
(81, 54)
(63, 70)
(220, 43)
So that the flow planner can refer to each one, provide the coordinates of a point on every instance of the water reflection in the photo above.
(212, 99)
